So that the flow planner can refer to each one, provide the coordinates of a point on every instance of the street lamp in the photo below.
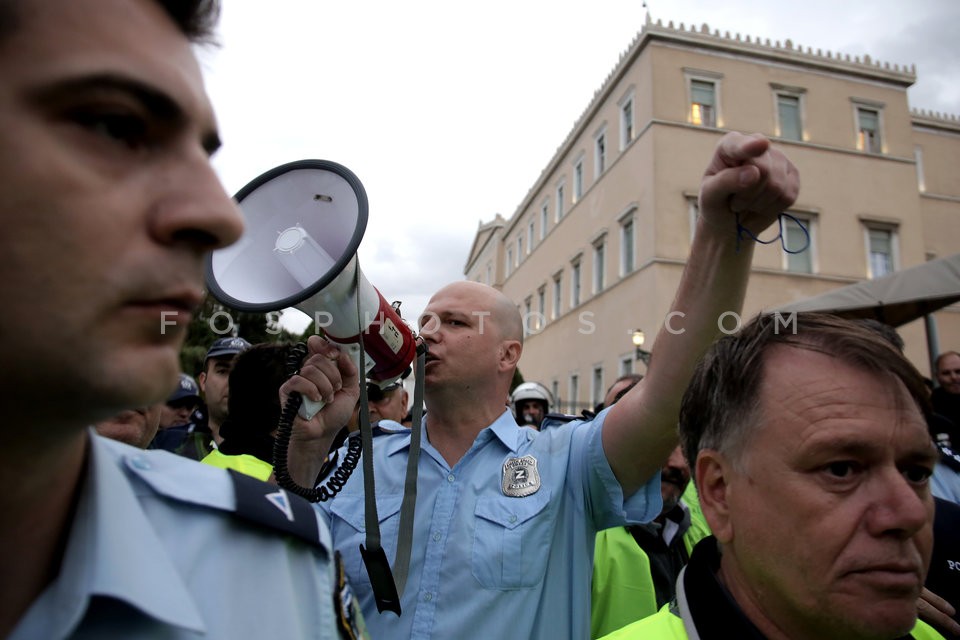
(638, 339)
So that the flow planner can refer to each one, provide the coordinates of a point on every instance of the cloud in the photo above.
(412, 266)
(449, 112)
(929, 41)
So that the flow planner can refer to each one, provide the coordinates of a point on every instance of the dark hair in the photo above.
(196, 19)
(254, 400)
(936, 363)
(634, 379)
(885, 330)
(9, 18)
(720, 404)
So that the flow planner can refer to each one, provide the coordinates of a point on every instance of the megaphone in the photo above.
(304, 222)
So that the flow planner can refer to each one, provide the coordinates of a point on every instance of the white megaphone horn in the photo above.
(304, 222)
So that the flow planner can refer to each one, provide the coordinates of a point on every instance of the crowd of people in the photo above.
(810, 490)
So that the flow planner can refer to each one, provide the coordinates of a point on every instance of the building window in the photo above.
(541, 307)
(557, 300)
(868, 130)
(575, 283)
(918, 157)
(559, 201)
(596, 387)
(544, 219)
(509, 262)
(600, 153)
(626, 365)
(527, 315)
(693, 213)
(798, 246)
(627, 246)
(489, 273)
(599, 265)
(789, 123)
(703, 103)
(626, 122)
(519, 250)
(530, 237)
(881, 250)
(578, 181)
(574, 394)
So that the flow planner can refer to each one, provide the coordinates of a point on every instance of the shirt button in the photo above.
(436, 537)
(513, 519)
(428, 597)
(451, 478)
(139, 462)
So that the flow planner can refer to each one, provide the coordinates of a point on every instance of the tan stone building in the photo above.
(596, 248)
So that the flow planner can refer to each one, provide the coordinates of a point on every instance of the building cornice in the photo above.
(488, 231)
(939, 122)
(786, 52)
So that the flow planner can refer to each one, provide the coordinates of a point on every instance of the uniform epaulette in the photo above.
(271, 506)
(553, 419)
(561, 417)
(177, 478)
(949, 457)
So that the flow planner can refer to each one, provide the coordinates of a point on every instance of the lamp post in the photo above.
(638, 338)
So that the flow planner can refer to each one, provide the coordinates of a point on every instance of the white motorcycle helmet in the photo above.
(530, 391)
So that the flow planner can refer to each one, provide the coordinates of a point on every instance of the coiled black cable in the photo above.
(282, 443)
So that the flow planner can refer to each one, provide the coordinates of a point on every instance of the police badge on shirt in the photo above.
(520, 477)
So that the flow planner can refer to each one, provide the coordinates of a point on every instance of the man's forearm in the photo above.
(305, 459)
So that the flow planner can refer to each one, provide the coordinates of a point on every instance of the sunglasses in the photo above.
(376, 394)
(183, 404)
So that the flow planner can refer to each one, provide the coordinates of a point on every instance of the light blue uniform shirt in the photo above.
(154, 552)
(945, 483)
(484, 564)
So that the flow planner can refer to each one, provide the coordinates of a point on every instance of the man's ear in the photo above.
(202, 381)
(713, 474)
(510, 354)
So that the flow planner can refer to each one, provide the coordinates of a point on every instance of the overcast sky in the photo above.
(448, 111)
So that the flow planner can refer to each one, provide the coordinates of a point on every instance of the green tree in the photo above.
(309, 331)
(214, 321)
(517, 379)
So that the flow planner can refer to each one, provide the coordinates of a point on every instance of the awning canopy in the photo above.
(895, 299)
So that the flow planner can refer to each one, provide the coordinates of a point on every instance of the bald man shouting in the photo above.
(505, 519)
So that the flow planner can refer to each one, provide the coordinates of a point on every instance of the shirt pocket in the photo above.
(511, 540)
(349, 532)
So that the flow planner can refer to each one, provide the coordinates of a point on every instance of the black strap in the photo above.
(401, 564)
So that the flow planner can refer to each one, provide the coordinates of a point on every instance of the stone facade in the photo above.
(596, 248)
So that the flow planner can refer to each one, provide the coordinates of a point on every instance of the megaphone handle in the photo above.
(310, 408)
(339, 477)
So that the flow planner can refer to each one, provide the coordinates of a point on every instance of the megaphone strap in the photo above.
(385, 593)
(371, 520)
(401, 563)
(388, 586)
